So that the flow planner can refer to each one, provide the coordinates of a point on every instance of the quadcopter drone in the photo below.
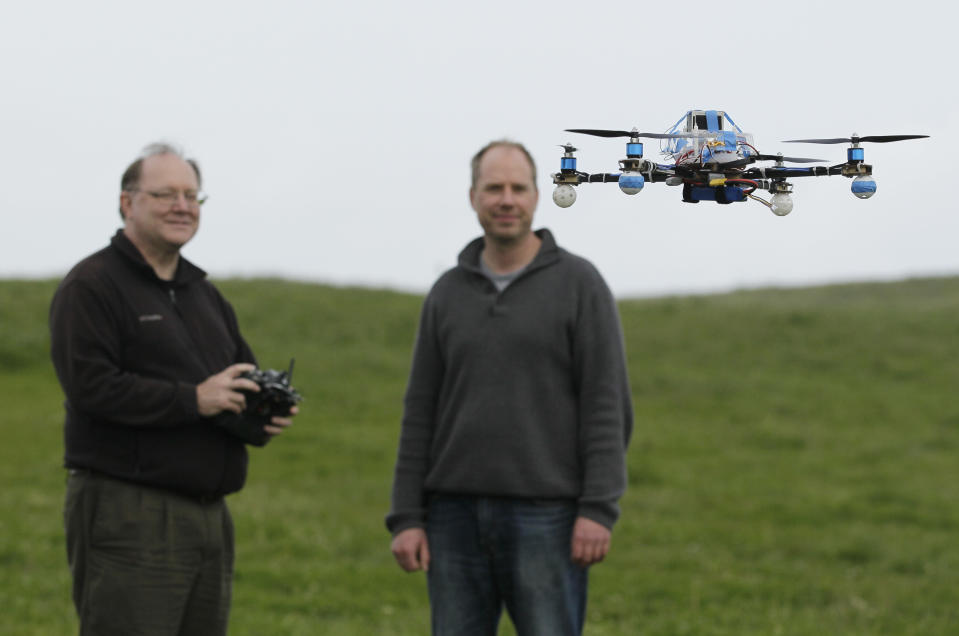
(712, 161)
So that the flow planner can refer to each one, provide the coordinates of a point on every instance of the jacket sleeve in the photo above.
(408, 504)
(605, 404)
(248, 427)
(86, 348)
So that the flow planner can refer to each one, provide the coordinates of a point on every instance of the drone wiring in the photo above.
(760, 199)
(683, 157)
(754, 184)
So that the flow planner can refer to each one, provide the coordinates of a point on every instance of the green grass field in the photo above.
(793, 469)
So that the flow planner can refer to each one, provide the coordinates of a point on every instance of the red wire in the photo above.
(754, 184)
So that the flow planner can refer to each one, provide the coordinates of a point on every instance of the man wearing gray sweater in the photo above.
(516, 421)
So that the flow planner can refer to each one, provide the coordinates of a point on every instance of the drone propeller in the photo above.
(855, 139)
(789, 159)
(625, 133)
(568, 147)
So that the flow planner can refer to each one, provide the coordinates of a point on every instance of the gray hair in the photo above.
(131, 176)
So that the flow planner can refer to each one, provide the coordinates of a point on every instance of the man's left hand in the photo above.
(590, 542)
(278, 423)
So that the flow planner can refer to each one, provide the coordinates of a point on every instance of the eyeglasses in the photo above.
(170, 197)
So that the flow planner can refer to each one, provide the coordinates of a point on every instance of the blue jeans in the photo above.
(487, 552)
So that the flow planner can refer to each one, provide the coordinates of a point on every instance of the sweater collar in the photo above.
(186, 272)
(548, 253)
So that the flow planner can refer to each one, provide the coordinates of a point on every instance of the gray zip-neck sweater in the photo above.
(520, 393)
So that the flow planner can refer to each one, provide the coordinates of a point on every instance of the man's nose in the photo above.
(181, 202)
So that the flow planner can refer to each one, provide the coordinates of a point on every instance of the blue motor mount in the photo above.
(632, 180)
(567, 163)
(632, 166)
(863, 185)
(564, 195)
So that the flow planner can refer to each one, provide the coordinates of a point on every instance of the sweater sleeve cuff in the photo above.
(397, 523)
(604, 514)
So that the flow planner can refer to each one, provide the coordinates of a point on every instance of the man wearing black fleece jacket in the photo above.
(149, 356)
(517, 417)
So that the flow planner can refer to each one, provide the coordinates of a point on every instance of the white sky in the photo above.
(335, 137)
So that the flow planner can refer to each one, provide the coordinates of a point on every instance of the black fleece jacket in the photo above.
(520, 393)
(129, 350)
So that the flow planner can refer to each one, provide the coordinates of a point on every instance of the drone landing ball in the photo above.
(863, 186)
(781, 204)
(564, 195)
(631, 183)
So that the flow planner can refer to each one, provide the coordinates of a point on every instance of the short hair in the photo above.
(131, 176)
(475, 162)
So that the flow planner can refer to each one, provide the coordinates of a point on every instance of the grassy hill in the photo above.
(793, 471)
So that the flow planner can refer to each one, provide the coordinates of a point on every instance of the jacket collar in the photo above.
(547, 255)
(186, 272)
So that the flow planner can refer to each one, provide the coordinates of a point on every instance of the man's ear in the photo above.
(125, 201)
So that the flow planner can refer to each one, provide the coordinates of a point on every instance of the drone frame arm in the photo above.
(781, 172)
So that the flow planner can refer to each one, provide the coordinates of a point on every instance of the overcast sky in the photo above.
(335, 137)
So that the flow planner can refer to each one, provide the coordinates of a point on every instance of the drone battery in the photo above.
(721, 194)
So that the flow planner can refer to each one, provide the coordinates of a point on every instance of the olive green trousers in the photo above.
(145, 561)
